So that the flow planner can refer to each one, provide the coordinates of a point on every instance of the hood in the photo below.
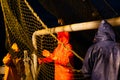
(105, 32)
(63, 37)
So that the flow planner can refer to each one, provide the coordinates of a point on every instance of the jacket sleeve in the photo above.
(88, 63)
(7, 59)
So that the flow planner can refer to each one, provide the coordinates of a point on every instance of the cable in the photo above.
(116, 14)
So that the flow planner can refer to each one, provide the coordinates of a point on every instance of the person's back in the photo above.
(102, 60)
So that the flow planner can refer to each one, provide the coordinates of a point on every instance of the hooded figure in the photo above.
(61, 56)
(102, 60)
(11, 72)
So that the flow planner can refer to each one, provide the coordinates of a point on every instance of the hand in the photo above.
(46, 53)
(17, 60)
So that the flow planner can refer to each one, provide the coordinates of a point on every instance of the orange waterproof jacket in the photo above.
(61, 56)
(10, 68)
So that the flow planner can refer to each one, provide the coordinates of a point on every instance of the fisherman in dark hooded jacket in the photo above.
(102, 61)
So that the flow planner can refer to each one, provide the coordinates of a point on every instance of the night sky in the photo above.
(113, 7)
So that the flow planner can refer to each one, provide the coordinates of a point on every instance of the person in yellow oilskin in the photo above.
(11, 72)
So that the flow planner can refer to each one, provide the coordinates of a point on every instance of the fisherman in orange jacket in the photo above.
(61, 56)
(11, 72)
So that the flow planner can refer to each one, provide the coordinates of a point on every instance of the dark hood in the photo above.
(104, 32)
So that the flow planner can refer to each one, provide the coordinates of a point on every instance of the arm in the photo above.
(87, 64)
(7, 59)
(44, 60)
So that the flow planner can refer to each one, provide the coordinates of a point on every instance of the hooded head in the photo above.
(15, 47)
(104, 32)
(63, 37)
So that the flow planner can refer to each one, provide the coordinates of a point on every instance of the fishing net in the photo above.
(20, 23)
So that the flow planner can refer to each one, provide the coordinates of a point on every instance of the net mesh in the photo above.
(20, 23)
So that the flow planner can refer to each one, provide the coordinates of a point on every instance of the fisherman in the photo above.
(102, 61)
(11, 63)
